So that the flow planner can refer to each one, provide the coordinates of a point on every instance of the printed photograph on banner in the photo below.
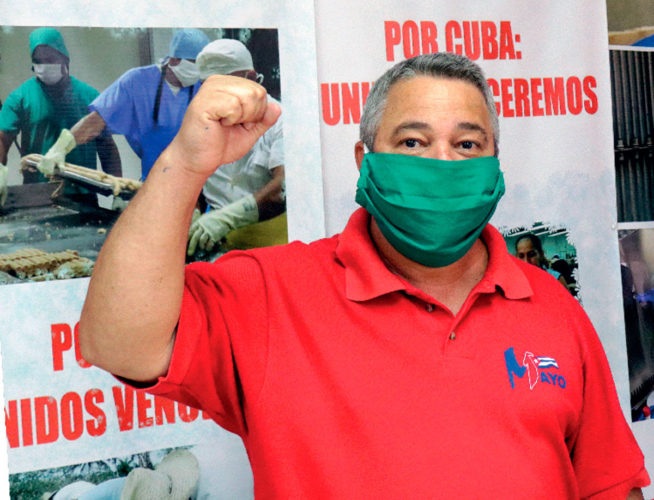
(630, 24)
(65, 419)
(637, 271)
(548, 247)
(632, 85)
(637, 37)
(60, 410)
(84, 114)
(184, 472)
(632, 88)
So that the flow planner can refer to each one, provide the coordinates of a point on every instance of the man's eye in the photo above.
(411, 143)
(467, 144)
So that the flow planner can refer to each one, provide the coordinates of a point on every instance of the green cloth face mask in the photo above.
(430, 210)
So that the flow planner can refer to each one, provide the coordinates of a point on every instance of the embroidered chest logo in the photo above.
(542, 369)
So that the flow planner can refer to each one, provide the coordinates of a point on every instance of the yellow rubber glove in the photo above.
(210, 228)
(4, 174)
(56, 155)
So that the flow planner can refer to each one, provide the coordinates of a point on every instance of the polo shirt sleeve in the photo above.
(607, 460)
(84, 92)
(10, 117)
(116, 104)
(218, 361)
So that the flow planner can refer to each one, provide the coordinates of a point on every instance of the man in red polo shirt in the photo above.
(389, 361)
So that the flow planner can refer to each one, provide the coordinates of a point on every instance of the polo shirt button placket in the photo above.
(430, 308)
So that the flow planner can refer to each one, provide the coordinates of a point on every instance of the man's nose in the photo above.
(443, 151)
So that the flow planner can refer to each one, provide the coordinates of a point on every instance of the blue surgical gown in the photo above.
(127, 107)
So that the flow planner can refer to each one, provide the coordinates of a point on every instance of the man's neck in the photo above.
(450, 285)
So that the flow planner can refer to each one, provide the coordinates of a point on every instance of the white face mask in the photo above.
(50, 74)
(186, 72)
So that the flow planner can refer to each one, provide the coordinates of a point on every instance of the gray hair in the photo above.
(440, 65)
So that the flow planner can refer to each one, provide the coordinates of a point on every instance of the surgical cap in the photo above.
(187, 43)
(222, 57)
(50, 37)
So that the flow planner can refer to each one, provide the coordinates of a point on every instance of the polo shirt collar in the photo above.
(367, 277)
(503, 271)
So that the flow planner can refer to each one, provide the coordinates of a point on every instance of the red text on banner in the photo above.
(63, 339)
(144, 410)
(342, 103)
(489, 40)
(45, 419)
(521, 97)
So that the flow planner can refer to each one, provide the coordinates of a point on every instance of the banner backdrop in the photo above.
(61, 412)
(68, 422)
(548, 67)
(547, 64)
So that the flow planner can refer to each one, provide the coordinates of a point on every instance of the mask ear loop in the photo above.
(259, 78)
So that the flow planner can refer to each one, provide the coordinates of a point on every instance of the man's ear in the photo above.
(359, 151)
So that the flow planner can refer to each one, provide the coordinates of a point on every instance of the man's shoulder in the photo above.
(128, 89)
(140, 72)
(544, 284)
(295, 250)
(28, 87)
(289, 259)
(21, 99)
(83, 89)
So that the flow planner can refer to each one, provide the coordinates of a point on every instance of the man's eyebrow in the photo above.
(411, 125)
(473, 127)
(418, 125)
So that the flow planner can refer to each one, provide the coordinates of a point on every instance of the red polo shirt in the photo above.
(344, 381)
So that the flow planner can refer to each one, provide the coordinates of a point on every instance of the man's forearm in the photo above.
(88, 128)
(5, 144)
(109, 156)
(271, 199)
(134, 296)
